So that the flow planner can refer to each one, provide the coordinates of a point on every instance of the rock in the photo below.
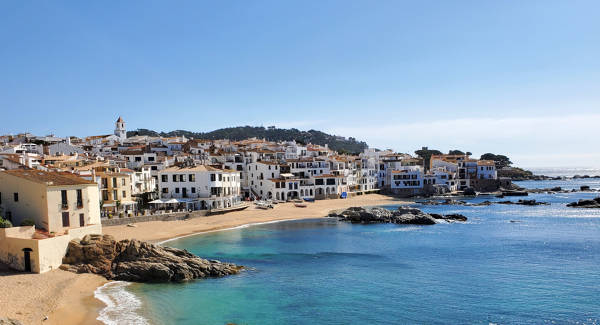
(9, 321)
(403, 215)
(469, 192)
(137, 261)
(584, 188)
(525, 202)
(592, 204)
(450, 217)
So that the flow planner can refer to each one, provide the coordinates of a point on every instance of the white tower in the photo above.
(120, 129)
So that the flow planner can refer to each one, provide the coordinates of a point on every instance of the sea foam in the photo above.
(121, 306)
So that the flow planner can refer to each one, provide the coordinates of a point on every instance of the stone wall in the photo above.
(154, 217)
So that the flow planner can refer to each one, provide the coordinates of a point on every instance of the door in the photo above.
(65, 219)
(27, 257)
(81, 220)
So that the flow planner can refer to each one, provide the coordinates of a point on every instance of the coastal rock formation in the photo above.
(484, 203)
(593, 204)
(138, 261)
(404, 215)
(9, 321)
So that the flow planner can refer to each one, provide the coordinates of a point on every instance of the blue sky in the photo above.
(515, 77)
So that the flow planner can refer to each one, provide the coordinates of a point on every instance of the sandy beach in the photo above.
(65, 297)
(68, 298)
(157, 231)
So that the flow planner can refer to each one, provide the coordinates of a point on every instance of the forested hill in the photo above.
(340, 144)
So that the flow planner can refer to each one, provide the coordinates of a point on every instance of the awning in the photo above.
(287, 175)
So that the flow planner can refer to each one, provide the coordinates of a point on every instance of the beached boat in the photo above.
(309, 199)
(264, 205)
(301, 205)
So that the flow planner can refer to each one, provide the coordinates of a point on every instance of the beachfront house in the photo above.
(199, 187)
(62, 206)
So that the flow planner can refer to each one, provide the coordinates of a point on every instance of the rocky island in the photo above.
(590, 204)
(138, 261)
(402, 216)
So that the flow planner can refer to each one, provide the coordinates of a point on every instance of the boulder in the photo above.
(404, 215)
(138, 261)
(591, 204)
(450, 217)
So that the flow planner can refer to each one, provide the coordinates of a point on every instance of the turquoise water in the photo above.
(543, 269)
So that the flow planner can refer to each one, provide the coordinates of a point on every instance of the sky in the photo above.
(520, 78)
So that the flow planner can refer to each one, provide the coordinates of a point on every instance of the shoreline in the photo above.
(72, 298)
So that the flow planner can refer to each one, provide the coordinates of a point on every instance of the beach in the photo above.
(158, 231)
(64, 297)
(68, 298)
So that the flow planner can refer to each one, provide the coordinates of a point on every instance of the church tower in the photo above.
(120, 129)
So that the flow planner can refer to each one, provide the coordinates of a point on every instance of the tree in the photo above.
(456, 152)
(426, 154)
(501, 161)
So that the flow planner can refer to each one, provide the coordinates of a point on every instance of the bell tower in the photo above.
(120, 129)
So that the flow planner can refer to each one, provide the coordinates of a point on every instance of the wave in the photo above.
(121, 305)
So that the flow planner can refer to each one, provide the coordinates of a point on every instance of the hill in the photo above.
(337, 143)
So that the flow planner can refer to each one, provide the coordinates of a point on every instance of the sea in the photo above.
(508, 264)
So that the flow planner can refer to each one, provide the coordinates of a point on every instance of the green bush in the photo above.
(5, 223)
(27, 222)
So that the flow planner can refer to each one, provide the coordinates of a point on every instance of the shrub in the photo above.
(5, 223)
(27, 222)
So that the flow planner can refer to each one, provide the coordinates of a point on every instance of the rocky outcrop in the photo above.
(484, 203)
(404, 216)
(449, 217)
(591, 204)
(9, 321)
(138, 261)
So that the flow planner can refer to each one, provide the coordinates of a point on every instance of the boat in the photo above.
(264, 205)
(300, 205)
(309, 199)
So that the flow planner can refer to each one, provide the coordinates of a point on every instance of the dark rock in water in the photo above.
(592, 204)
(469, 191)
(9, 321)
(404, 215)
(584, 188)
(450, 217)
(515, 221)
(525, 202)
(138, 261)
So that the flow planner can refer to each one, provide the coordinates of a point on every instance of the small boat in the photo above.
(264, 205)
(309, 199)
(300, 205)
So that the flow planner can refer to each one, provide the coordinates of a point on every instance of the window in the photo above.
(122, 181)
(193, 190)
(16, 197)
(220, 177)
(138, 158)
(65, 219)
(114, 182)
(150, 158)
(124, 194)
(182, 178)
(115, 195)
(104, 195)
(164, 178)
(177, 190)
(104, 183)
(213, 177)
(191, 177)
(174, 178)
(81, 220)
(165, 190)
(153, 168)
(79, 198)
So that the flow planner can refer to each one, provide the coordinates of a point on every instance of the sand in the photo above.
(64, 297)
(68, 298)
(157, 231)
